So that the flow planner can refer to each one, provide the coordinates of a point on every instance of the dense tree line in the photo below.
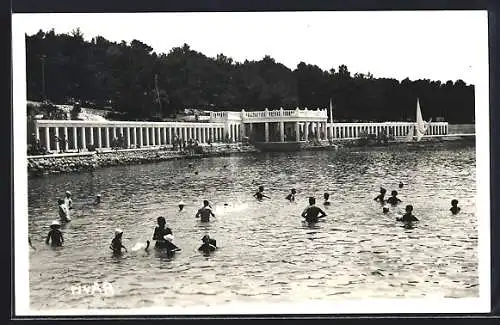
(141, 84)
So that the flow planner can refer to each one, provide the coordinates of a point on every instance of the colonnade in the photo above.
(78, 135)
(54, 134)
(397, 129)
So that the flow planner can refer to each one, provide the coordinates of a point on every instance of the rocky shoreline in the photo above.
(86, 161)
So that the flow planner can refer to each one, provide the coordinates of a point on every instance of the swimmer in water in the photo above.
(55, 235)
(326, 196)
(63, 211)
(385, 210)
(454, 206)
(116, 244)
(312, 213)
(401, 184)
(160, 232)
(260, 194)
(205, 212)
(196, 172)
(380, 197)
(393, 200)
(209, 244)
(291, 197)
(97, 199)
(181, 205)
(408, 217)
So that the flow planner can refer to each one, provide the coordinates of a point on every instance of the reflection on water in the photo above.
(265, 251)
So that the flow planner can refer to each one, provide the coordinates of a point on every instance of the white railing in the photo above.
(286, 113)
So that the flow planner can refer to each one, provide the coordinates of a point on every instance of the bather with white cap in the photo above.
(116, 244)
(181, 205)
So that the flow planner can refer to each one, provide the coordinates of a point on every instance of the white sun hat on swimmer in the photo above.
(68, 192)
(118, 231)
(55, 223)
(181, 202)
(169, 237)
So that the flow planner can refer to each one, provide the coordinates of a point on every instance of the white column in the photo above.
(148, 140)
(141, 141)
(134, 133)
(37, 133)
(47, 138)
(153, 136)
(106, 133)
(57, 138)
(306, 131)
(66, 143)
(84, 138)
(164, 135)
(297, 132)
(128, 137)
(282, 131)
(99, 137)
(169, 135)
(266, 131)
(114, 132)
(92, 135)
(75, 138)
(184, 133)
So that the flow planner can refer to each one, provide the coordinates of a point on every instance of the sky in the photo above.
(436, 45)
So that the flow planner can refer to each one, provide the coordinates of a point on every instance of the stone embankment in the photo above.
(85, 161)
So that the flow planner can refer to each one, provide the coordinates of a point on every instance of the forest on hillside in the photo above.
(139, 83)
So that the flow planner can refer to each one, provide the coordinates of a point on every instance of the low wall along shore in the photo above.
(85, 161)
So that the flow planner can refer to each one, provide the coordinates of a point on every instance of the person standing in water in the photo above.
(260, 193)
(209, 244)
(55, 235)
(205, 212)
(291, 197)
(408, 218)
(454, 206)
(326, 196)
(313, 213)
(63, 211)
(393, 200)
(116, 244)
(380, 197)
(160, 232)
